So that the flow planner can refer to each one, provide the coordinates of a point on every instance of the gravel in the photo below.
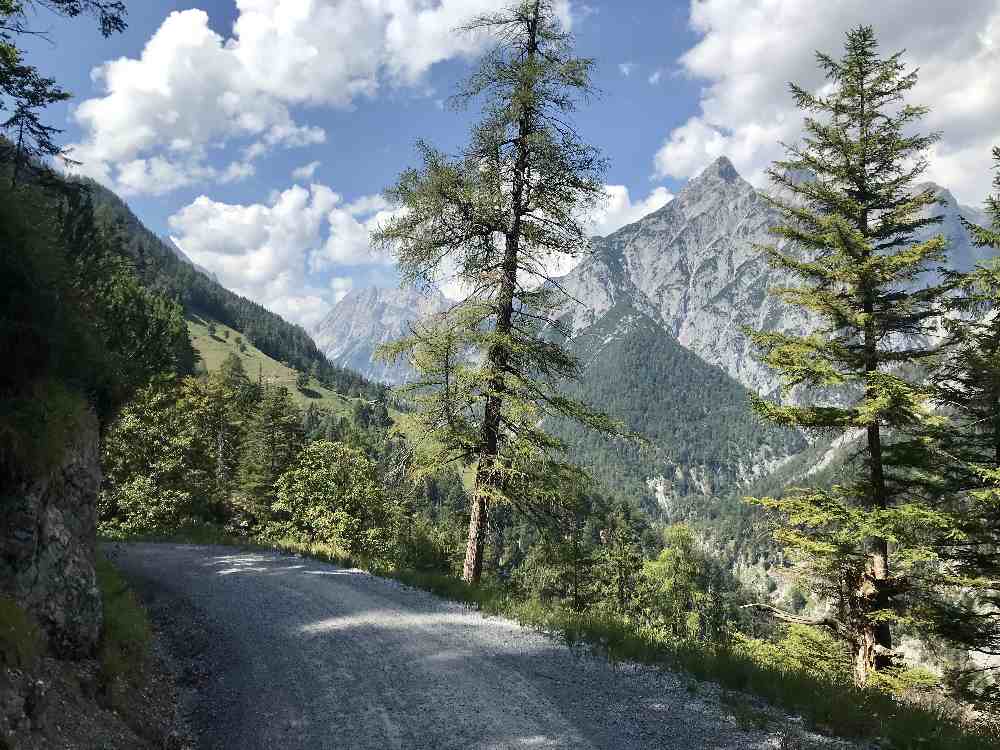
(277, 651)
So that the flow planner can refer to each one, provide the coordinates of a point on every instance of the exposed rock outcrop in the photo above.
(47, 547)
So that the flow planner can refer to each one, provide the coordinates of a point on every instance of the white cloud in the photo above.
(305, 172)
(340, 286)
(654, 78)
(750, 49)
(619, 210)
(626, 68)
(280, 253)
(192, 91)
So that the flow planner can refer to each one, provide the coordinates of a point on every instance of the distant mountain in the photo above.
(659, 335)
(696, 268)
(367, 318)
(703, 438)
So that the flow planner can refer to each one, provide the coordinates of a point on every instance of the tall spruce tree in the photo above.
(274, 437)
(849, 229)
(496, 217)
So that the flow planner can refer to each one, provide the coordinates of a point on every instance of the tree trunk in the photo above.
(875, 639)
(473, 569)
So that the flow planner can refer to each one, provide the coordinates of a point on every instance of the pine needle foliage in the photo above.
(495, 218)
(852, 211)
(967, 453)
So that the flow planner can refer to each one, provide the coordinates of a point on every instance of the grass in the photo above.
(827, 707)
(125, 637)
(214, 348)
(21, 641)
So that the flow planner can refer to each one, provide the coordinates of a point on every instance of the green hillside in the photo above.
(703, 437)
(214, 348)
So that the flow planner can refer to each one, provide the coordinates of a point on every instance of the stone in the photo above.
(48, 529)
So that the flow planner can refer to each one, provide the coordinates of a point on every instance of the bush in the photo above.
(331, 495)
(125, 636)
(425, 546)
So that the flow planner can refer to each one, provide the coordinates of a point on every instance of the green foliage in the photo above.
(21, 641)
(331, 495)
(488, 373)
(160, 270)
(76, 328)
(273, 440)
(803, 650)
(963, 480)
(155, 475)
(688, 595)
(657, 388)
(126, 636)
(25, 141)
(990, 236)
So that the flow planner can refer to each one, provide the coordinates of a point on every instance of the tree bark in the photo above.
(874, 640)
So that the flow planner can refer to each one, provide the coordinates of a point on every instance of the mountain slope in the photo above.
(695, 266)
(216, 343)
(163, 269)
(703, 437)
(367, 318)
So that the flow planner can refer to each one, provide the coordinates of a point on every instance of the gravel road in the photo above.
(283, 652)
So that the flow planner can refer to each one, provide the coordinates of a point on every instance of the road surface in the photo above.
(283, 652)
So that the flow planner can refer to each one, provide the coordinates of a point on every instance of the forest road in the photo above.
(282, 652)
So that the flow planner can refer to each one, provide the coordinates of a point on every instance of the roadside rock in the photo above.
(47, 546)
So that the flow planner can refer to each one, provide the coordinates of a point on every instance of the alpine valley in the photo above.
(656, 319)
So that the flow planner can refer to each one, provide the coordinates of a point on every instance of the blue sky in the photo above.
(200, 118)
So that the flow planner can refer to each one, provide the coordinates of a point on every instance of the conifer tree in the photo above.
(25, 92)
(967, 449)
(849, 233)
(495, 217)
(990, 236)
(273, 440)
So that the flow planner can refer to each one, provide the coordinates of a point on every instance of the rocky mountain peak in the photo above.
(720, 169)
(368, 317)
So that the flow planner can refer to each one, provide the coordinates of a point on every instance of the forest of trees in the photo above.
(163, 272)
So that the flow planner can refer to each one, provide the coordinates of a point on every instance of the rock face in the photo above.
(696, 267)
(47, 547)
(367, 318)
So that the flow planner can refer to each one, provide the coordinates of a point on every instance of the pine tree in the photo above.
(496, 217)
(273, 440)
(990, 236)
(850, 228)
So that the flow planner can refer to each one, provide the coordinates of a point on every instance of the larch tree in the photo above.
(496, 218)
(852, 211)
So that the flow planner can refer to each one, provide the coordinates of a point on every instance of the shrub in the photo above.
(125, 636)
(331, 495)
